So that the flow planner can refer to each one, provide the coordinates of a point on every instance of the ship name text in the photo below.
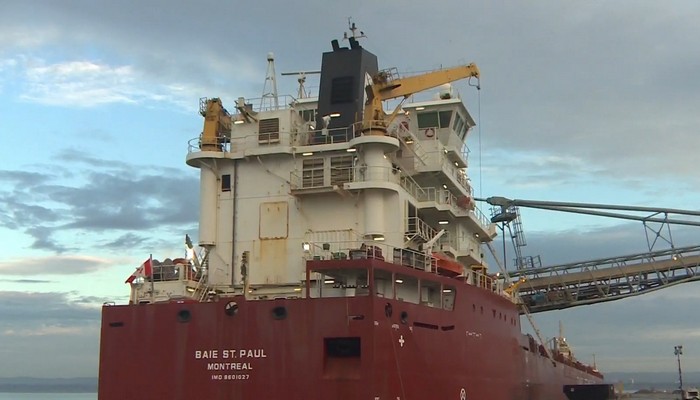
(229, 353)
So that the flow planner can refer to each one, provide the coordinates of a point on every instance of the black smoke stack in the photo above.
(344, 75)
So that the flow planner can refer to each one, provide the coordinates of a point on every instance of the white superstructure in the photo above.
(281, 183)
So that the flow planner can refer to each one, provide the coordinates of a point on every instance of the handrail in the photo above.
(417, 226)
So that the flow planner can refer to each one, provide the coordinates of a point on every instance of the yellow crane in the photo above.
(385, 86)
(217, 124)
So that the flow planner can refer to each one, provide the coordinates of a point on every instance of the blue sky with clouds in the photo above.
(587, 102)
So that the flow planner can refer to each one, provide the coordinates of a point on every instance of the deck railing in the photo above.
(357, 250)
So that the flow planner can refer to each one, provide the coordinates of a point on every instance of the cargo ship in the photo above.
(339, 256)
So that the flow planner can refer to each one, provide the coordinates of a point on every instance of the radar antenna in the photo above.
(301, 78)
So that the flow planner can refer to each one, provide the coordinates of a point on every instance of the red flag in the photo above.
(145, 269)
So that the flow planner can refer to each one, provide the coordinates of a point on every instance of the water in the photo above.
(48, 396)
(655, 396)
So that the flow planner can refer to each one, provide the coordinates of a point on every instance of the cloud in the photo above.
(46, 330)
(86, 84)
(25, 280)
(101, 198)
(54, 265)
(35, 309)
(37, 324)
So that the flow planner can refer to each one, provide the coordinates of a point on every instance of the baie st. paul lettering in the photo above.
(229, 353)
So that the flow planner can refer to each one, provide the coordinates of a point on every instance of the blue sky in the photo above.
(586, 102)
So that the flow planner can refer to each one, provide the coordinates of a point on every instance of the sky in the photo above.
(590, 101)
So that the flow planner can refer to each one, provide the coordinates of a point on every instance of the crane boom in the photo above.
(217, 124)
(591, 209)
(609, 278)
(385, 86)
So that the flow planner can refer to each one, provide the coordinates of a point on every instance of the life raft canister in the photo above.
(465, 202)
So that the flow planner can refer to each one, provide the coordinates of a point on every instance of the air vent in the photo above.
(425, 325)
(269, 131)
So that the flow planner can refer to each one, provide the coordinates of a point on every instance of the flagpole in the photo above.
(153, 287)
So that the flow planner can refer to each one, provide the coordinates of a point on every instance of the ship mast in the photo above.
(270, 93)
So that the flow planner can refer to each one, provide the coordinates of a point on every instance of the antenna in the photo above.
(271, 93)
(301, 78)
(353, 31)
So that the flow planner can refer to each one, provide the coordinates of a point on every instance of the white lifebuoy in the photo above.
(430, 132)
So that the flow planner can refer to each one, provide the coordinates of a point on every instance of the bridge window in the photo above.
(349, 282)
(427, 120)
(445, 117)
(458, 126)
(434, 119)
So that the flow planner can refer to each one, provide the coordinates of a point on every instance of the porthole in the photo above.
(404, 317)
(231, 308)
(279, 312)
(184, 316)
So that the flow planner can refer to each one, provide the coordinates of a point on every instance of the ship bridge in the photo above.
(604, 279)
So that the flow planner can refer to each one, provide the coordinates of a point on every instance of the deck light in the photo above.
(306, 246)
(307, 154)
(443, 222)
(399, 281)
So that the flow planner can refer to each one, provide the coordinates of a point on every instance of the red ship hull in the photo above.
(363, 347)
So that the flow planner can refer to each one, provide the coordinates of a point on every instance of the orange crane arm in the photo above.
(383, 87)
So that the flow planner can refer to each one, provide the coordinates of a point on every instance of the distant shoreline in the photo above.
(48, 385)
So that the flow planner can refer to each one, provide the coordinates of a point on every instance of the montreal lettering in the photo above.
(225, 366)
